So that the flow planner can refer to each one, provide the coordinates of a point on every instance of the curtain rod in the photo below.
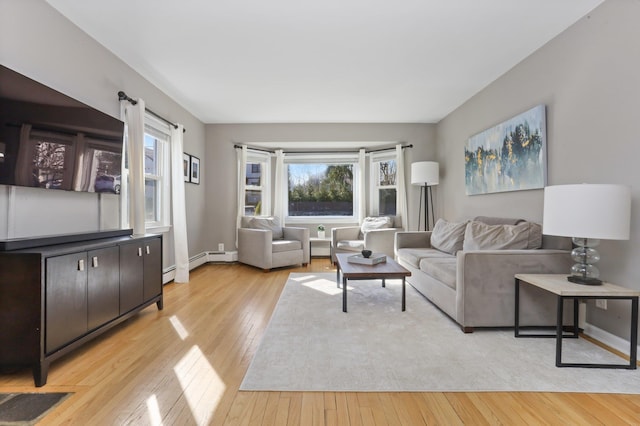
(323, 152)
(123, 97)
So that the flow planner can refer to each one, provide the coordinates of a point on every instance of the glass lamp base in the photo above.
(584, 280)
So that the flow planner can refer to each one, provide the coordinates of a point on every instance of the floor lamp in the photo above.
(425, 174)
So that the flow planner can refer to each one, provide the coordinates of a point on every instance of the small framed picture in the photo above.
(186, 165)
(195, 170)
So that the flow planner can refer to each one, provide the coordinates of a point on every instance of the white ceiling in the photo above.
(322, 61)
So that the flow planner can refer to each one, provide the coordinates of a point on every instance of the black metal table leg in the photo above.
(517, 309)
(633, 351)
(559, 332)
(404, 304)
(344, 294)
(338, 274)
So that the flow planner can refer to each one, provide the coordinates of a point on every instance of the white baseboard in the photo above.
(607, 338)
(199, 259)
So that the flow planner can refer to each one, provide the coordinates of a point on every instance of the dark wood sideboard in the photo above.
(56, 297)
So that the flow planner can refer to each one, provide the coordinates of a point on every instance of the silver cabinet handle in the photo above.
(94, 261)
(81, 265)
(148, 250)
(139, 251)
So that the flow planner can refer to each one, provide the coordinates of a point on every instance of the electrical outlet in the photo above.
(601, 303)
(221, 247)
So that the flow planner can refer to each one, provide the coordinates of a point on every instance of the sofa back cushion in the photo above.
(268, 223)
(448, 236)
(371, 223)
(480, 236)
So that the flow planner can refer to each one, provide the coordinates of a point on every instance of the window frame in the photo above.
(264, 159)
(374, 179)
(162, 133)
(327, 159)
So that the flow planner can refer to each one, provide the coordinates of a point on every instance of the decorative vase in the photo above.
(320, 234)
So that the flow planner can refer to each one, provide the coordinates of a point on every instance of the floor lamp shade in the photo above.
(425, 173)
(587, 213)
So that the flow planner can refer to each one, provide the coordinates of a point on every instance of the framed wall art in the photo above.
(511, 156)
(186, 165)
(195, 170)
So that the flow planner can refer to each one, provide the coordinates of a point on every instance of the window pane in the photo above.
(150, 200)
(252, 203)
(150, 155)
(320, 189)
(254, 174)
(388, 171)
(387, 202)
(48, 164)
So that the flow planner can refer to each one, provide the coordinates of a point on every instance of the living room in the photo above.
(586, 76)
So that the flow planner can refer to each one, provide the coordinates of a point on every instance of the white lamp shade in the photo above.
(598, 211)
(425, 173)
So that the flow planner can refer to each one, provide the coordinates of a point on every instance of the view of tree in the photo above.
(327, 192)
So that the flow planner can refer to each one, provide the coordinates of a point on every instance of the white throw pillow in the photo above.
(448, 236)
(371, 223)
(480, 236)
(268, 223)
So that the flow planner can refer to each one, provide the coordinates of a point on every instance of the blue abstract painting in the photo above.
(511, 156)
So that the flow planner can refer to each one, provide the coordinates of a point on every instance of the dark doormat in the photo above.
(27, 408)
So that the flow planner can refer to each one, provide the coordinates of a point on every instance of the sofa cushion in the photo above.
(278, 246)
(413, 256)
(351, 245)
(448, 236)
(442, 269)
(268, 223)
(371, 223)
(480, 236)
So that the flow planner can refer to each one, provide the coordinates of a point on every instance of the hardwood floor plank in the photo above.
(185, 365)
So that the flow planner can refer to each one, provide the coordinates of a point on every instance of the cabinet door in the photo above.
(66, 304)
(152, 268)
(103, 286)
(131, 276)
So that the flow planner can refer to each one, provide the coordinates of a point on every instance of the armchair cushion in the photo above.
(279, 246)
(480, 236)
(267, 223)
(351, 245)
(371, 223)
(448, 236)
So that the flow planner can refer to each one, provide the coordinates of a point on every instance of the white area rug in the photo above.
(311, 345)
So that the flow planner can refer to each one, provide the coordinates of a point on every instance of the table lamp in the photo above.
(425, 174)
(587, 213)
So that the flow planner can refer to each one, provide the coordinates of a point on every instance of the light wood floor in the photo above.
(183, 365)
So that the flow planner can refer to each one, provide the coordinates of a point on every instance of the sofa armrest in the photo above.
(299, 234)
(254, 247)
(485, 290)
(381, 240)
(412, 239)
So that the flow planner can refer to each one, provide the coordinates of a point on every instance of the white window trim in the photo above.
(264, 158)
(374, 171)
(347, 158)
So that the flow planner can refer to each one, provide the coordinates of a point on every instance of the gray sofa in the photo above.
(469, 275)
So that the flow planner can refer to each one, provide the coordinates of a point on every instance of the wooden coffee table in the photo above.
(355, 271)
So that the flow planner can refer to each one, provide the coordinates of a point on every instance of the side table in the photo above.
(563, 289)
(318, 240)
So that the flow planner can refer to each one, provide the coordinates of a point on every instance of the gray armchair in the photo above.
(264, 244)
(376, 234)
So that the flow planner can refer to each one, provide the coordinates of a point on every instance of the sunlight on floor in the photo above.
(182, 332)
(200, 383)
(321, 284)
(154, 411)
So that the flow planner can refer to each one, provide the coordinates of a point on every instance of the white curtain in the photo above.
(134, 120)
(401, 187)
(280, 186)
(362, 195)
(241, 155)
(178, 207)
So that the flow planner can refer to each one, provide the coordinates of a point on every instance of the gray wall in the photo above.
(221, 158)
(589, 80)
(37, 41)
